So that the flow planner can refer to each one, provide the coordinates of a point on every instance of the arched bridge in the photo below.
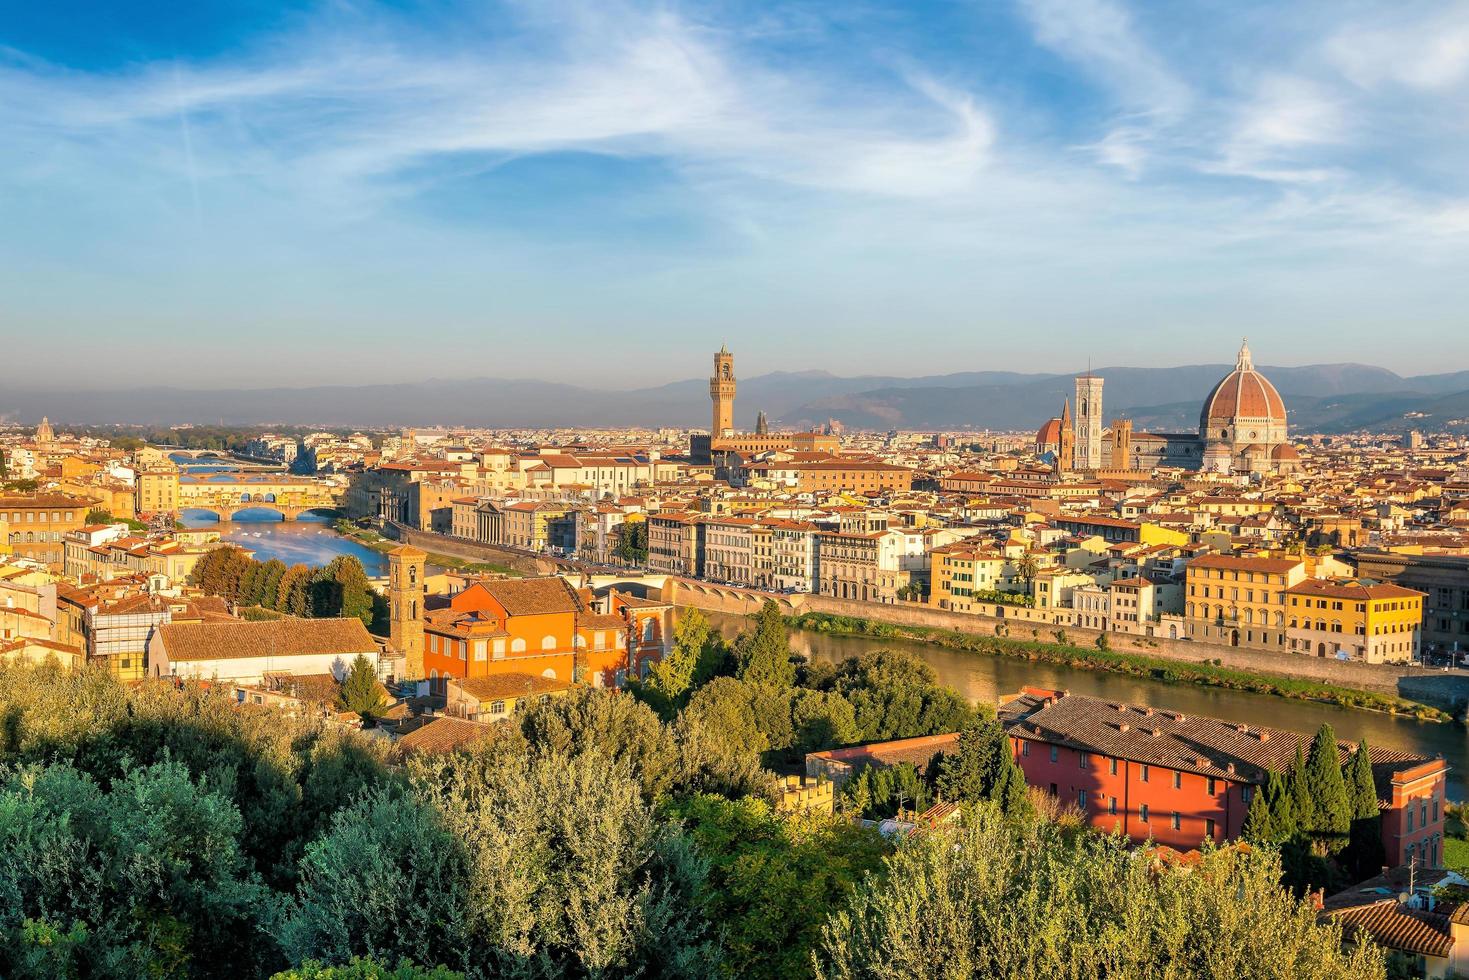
(289, 497)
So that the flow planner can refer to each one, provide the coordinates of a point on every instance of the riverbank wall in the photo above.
(442, 544)
(1445, 690)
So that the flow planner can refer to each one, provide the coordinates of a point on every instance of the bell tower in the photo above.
(405, 607)
(722, 394)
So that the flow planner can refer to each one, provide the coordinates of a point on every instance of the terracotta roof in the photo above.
(1272, 566)
(1352, 590)
(1171, 739)
(511, 685)
(271, 638)
(533, 596)
(918, 751)
(1390, 924)
(1243, 393)
(443, 735)
(408, 551)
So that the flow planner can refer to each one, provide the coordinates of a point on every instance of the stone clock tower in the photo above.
(722, 394)
(405, 607)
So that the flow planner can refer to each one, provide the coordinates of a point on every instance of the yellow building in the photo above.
(1375, 622)
(158, 491)
(36, 524)
(1240, 601)
(959, 571)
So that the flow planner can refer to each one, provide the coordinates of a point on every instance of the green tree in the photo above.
(1331, 809)
(632, 543)
(1014, 899)
(697, 651)
(763, 654)
(612, 725)
(389, 881)
(982, 768)
(250, 583)
(341, 589)
(294, 593)
(719, 745)
(1028, 566)
(268, 584)
(1365, 850)
(1301, 804)
(821, 720)
(1259, 825)
(142, 878)
(896, 695)
(361, 691)
(773, 878)
(367, 969)
(570, 873)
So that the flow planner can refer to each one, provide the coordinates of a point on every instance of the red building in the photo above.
(1178, 778)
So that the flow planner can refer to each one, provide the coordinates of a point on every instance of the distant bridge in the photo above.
(288, 496)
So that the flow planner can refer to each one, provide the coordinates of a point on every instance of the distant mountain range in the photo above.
(1320, 398)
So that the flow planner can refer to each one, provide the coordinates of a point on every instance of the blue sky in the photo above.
(604, 192)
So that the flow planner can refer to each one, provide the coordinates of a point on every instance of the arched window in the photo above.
(517, 645)
(548, 642)
(412, 575)
(549, 674)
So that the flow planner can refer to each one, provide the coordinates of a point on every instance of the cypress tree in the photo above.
(1302, 808)
(1282, 806)
(1365, 851)
(360, 691)
(1331, 809)
(1259, 826)
(764, 653)
(267, 591)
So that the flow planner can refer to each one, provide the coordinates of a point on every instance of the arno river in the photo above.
(983, 678)
(308, 541)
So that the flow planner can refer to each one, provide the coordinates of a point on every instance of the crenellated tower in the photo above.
(722, 394)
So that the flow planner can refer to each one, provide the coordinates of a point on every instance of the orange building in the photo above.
(540, 627)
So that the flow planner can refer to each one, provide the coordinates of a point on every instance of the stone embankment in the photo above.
(1446, 690)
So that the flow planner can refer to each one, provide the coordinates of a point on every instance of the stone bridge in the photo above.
(286, 496)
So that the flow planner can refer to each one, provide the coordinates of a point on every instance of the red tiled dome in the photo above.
(1244, 393)
(1049, 433)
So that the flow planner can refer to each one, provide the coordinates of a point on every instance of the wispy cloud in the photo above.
(846, 158)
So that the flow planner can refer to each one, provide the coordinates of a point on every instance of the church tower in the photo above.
(1121, 444)
(1066, 451)
(1089, 422)
(405, 607)
(722, 394)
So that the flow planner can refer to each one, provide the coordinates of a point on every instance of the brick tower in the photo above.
(405, 607)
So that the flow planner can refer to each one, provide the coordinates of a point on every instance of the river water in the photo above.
(307, 541)
(984, 678)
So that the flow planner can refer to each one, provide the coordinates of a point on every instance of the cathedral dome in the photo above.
(1049, 434)
(1244, 396)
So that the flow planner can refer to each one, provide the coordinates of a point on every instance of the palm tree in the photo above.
(1028, 565)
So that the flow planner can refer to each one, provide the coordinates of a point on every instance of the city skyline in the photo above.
(364, 188)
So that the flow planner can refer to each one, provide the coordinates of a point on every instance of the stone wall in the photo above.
(1433, 687)
(443, 544)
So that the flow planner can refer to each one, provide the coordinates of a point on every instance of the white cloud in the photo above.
(1100, 36)
(340, 111)
(1429, 53)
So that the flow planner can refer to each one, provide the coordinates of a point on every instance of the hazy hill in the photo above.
(1324, 397)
